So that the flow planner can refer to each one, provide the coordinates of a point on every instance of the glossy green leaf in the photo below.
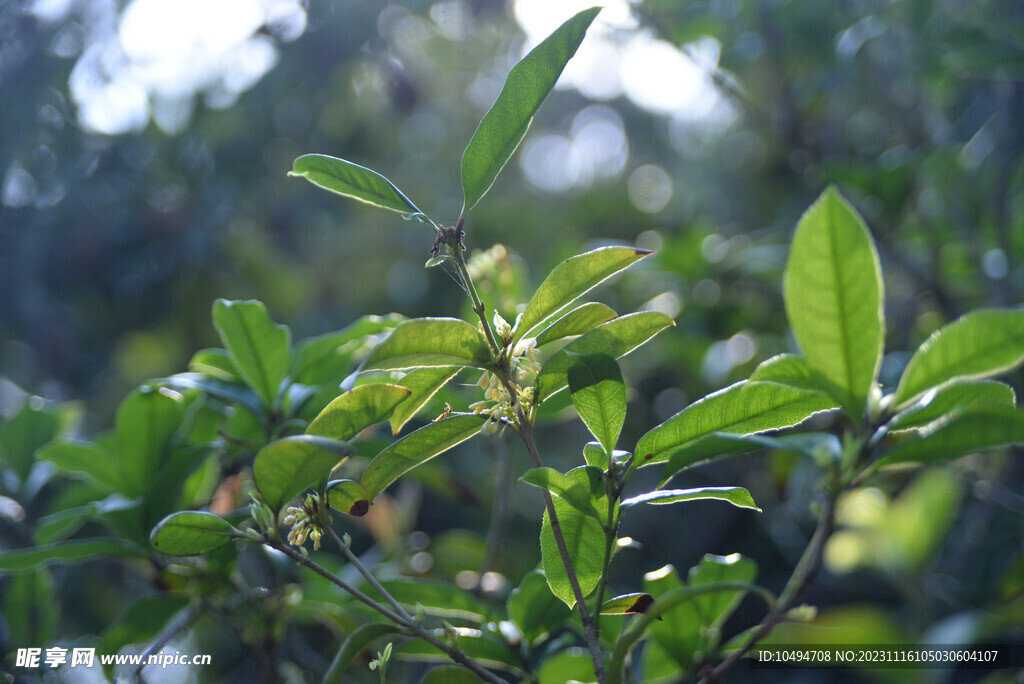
(145, 423)
(288, 466)
(356, 410)
(416, 448)
(979, 344)
(616, 338)
(87, 458)
(595, 455)
(63, 524)
(716, 607)
(423, 384)
(486, 648)
(627, 604)
(822, 448)
(73, 551)
(743, 408)
(259, 348)
(190, 533)
(584, 539)
(572, 279)
(679, 630)
(566, 488)
(737, 496)
(230, 392)
(352, 180)
(952, 398)
(348, 496)
(534, 609)
(599, 394)
(578, 321)
(973, 429)
(787, 369)
(354, 645)
(833, 294)
(430, 342)
(23, 433)
(505, 124)
(314, 353)
(215, 363)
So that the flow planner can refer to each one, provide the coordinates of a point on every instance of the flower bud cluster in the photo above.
(305, 522)
(499, 404)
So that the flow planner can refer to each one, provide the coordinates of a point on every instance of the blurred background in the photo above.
(144, 147)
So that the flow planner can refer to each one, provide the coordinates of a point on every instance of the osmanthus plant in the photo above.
(264, 405)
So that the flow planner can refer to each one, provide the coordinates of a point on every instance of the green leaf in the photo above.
(190, 533)
(31, 608)
(627, 604)
(146, 421)
(743, 408)
(22, 434)
(352, 180)
(952, 398)
(599, 394)
(74, 551)
(534, 609)
(974, 429)
(566, 666)
(679, 630)
(578, 321)
(416, 448)
(64, 523)
(595, 455)
(979, 344)
(716, 607)
(505, 124)
(229, 392)
(833, 294)
(428, 342)
(356, 410)
(288, 466)
(737, 496)
(347, 496)
(616, 338)
(438, 599)
(569, 281)
(314, 353)
(787, 369)
(215, 363)
(422, 384)
(566, 488)
(87, 458)
(260, 349)
(142, 621)
(433, 262)
(450, 674)
(482, 646)
(356, 642)
(584, 539)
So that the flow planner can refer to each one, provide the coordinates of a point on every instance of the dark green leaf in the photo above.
(974, 429)
(288, 466)
(417, 448)
(505, 124)
(142, 621)
(737, 496)
(716, 607)
(146, 421)
(599, 394)
(564, 487)
(22, 434)
(979, 344)
(422, 384)
(569, 281)
(584, 538)
(578, 321)
(356, 410)
(354, 645)
(423, 342)
(450, 674)
(31, 608)
(951, 398)
(74, 551)
(833, 294)
(190, 533)
(534, 609)
(225, 391)
(259, 348)
(351, 180)
(88, 458)
(63, 524)
(616, 338)
(627, 604)
(743, 408)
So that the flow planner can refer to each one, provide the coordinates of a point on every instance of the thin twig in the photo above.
(182, 622)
